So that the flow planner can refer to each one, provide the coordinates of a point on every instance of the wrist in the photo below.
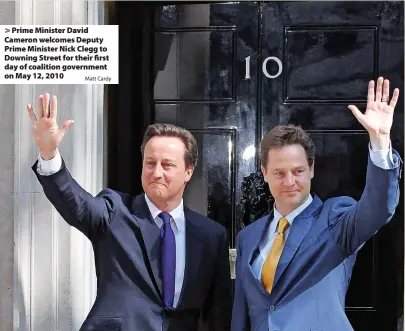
(48, 155)
(379, 142)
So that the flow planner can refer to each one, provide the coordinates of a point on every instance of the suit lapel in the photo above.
(151, 238)
(299, 229)
(194, 251)
(254, 241)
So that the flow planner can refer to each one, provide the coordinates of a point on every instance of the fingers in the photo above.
(357, 113)
(386, 91)
(40, 106)
(379, 89)
(32, 114)
(370, 94)
(54, 107)
(394, 99)
(45, 105)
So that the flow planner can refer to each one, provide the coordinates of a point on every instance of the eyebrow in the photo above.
(296, 168)
(164, 160)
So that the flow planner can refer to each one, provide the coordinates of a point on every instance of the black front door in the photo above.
(229, 72)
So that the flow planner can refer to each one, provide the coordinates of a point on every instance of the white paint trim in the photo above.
(23, 202)
(56, 219)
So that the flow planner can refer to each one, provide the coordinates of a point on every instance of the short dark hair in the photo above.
(285, 135)
(170, 130)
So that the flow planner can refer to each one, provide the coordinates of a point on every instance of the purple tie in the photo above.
(168, 258)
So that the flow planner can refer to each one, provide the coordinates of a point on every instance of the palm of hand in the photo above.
(45, 130)
(46, 133)
(378, 117)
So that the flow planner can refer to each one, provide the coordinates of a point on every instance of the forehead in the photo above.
(290, 156)
(164, 147)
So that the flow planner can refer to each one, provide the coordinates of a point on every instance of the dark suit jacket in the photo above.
(126, 247)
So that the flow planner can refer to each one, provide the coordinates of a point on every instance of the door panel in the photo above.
(196, 56)
(311, 50)
(329, 52)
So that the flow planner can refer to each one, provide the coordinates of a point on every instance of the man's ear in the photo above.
(189, 173)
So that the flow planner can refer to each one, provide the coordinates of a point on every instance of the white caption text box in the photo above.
(59, 54)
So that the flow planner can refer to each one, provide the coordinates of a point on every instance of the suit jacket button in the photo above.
(272, 308)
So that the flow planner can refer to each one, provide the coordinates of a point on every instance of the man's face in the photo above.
(164, 172)
(289, 177)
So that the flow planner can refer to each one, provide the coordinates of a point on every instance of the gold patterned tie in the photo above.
(270, 265)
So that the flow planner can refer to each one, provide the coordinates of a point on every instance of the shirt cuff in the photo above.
(382, 158)
(49, 167)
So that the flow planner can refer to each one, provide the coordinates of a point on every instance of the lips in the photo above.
(157, 184)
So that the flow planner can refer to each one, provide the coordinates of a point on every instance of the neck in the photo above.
(166, 205)
(285, 209)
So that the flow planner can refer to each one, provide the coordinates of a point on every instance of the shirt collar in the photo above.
(177, 213)
(291, 216)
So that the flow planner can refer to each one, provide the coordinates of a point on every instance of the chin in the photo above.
(158, 194)
(295, 199)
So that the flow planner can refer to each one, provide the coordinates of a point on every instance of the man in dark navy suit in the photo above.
(160, 266)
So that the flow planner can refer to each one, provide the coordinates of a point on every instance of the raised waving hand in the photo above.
(45, 130)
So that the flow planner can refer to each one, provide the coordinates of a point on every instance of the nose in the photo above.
(157, 171)
(289, 179)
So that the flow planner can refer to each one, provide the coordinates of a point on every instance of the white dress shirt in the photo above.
(49, 167)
